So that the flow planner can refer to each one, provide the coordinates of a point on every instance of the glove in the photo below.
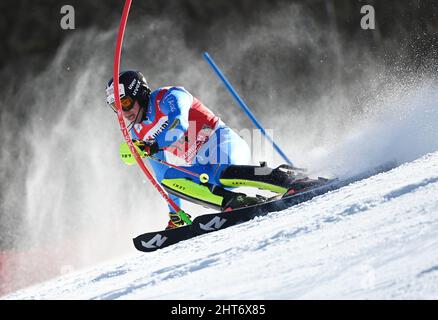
(144, 149)
(149, 147)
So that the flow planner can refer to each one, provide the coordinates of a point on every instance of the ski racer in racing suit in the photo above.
(171, 123)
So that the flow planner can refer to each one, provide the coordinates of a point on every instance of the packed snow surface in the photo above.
(373, 239)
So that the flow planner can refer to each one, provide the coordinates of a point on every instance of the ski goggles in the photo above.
(126, 102)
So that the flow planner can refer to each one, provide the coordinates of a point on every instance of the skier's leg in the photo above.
(224, 148)
(282, 179)
(189, 188)
(235, 172)
(265, 178)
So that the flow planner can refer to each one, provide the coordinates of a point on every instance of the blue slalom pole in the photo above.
(245, 107)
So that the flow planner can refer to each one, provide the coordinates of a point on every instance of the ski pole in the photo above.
(245, 107)
(122, 124)
(203, 177)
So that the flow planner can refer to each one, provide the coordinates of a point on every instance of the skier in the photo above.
(171, 123)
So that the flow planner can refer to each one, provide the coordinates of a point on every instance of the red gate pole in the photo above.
(122, 124)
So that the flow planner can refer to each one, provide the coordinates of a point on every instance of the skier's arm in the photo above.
(175, 104)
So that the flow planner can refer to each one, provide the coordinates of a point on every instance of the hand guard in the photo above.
(144, 149)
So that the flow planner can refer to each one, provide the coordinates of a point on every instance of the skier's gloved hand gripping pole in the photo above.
(122, 124)
(245, 107)
(145, 149)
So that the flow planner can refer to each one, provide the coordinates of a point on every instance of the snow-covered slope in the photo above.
(376, 238)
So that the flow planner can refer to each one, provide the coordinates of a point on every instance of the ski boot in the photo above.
(208, 195)
(302, 185)
(175, 221)
(278, 180)
(285, 180)
(234, 200)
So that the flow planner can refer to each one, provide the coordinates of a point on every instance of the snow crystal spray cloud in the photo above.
(77, 202)
(336, 108)
(400, 128)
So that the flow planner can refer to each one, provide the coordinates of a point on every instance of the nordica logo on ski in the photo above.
(214, 224)
(155, 242)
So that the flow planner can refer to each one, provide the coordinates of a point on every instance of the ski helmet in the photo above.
(133, 85)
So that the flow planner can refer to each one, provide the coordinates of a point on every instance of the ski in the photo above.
(221, 220)
(152, 241)
(217, 221)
